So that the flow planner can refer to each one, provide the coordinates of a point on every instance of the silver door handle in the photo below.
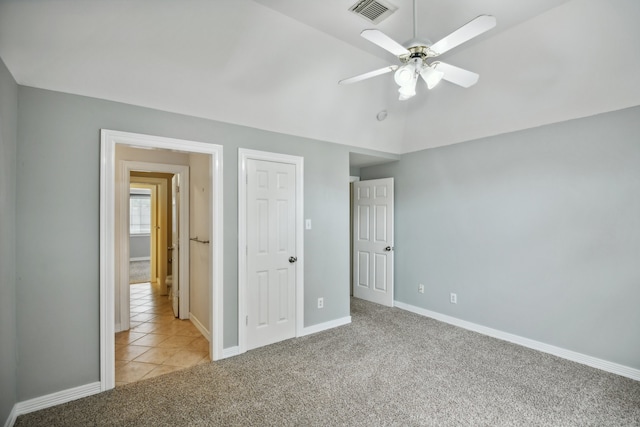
(292, 259)
(388, 249)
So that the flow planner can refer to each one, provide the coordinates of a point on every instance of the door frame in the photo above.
(352, 179)
(182, 171)
(153, 189)
(244, 155)
(109, 139)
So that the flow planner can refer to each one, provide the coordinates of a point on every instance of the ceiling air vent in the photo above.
(373, 10)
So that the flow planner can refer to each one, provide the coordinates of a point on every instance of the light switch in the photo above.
(307, 224)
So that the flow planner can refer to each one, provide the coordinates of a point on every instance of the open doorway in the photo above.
(152, 237)
(152, 341)
(142, 232)
(371, 230)
(114, 178)
(160, 175)
(159, 339)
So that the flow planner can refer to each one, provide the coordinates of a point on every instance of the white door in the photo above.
(175, 245)
(373, 241)
(271, 252)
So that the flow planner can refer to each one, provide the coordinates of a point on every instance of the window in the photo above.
(140, 211)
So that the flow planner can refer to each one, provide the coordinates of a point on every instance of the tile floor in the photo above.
(157, 342)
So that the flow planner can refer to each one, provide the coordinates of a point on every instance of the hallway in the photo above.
(157, 342)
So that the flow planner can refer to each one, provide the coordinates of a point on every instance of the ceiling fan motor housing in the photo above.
(421, 51)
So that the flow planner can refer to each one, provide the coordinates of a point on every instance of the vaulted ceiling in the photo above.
(275, 64)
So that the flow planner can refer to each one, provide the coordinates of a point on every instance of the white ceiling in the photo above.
(275, 64)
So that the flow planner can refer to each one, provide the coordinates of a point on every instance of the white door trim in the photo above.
(109, 140)
(298, 162)
(183, 261)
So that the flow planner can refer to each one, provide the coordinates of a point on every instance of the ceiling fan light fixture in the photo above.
(431, 76)
(405, 74)
(404, 96)
(408, 90)
(407, 77)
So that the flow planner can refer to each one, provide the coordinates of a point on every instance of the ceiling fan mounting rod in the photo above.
(415, 19)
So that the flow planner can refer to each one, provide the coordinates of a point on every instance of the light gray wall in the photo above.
(139, 246)
(8, 148)
(537, 231)
(58, 304)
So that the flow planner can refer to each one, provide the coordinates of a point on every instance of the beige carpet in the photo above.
(139, 271)
(389, 367)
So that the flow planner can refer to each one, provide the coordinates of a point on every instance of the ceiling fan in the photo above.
(414, 57)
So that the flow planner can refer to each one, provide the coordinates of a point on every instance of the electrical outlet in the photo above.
(320, 302)
(453, 298)
(421, 288)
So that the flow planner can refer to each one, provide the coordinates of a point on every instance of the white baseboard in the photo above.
(11, 420)
(230, 352)
(117, 328)
(54, 399)
(584, 359)
(324, 326)
(199, 326)
(234, 351)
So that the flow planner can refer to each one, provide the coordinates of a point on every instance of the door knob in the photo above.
(292, 259)
(388, 248)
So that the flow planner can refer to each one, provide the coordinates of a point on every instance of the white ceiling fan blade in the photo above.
(465, 33)
(455, 75)
(385, 42)
(368, 75)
